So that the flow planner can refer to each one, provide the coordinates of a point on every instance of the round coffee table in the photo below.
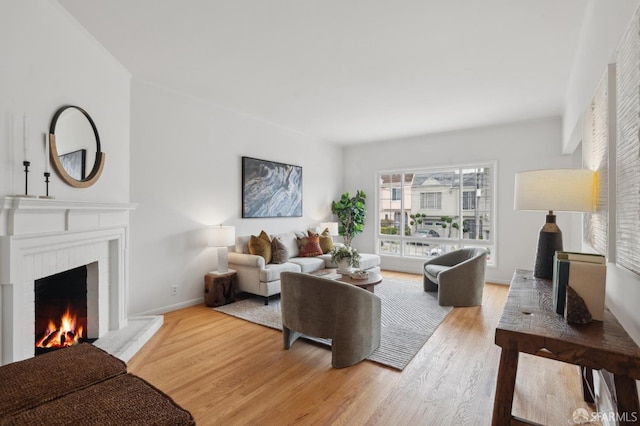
(373, 278)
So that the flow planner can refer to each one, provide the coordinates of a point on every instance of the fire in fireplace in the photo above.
(60, 310)
(61, 333)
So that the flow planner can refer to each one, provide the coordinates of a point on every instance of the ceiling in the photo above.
(350, 71)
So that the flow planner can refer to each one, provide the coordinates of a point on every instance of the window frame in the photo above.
(490, 241)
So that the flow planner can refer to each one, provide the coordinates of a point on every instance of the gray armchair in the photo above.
(458, 276)
(321, 307)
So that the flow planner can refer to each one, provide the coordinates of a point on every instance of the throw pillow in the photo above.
(265, 236)
(309, 246)
(279, 253)
(261, 246)
(326, 242)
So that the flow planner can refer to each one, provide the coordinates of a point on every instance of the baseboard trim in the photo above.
(174, 307)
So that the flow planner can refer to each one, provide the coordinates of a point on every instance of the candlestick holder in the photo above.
(26, 165)
(46, 181)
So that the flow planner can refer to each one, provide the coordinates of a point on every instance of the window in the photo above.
(468, 200)
(436, 210)
(431, 200)
(396, 194)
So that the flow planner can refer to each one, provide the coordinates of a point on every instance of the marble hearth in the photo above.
(42, 237)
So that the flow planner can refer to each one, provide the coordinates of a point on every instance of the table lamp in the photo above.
(331, 226)
(222, 237)
(570, 190)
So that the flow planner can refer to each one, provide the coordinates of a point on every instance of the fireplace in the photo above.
(61, 315)
(40, 238)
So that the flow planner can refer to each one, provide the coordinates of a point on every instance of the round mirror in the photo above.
(75, 147)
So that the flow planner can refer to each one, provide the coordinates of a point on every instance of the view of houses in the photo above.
(437, 210)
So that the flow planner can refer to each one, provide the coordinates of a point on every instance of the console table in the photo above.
(530, 325)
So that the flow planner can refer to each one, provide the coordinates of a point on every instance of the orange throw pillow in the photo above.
(309, 246)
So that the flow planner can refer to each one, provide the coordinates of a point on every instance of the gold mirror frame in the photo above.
(98, 165)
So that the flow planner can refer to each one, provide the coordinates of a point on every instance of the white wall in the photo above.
(605, 23)
(186, 174)
(515, 147)
(49, 61)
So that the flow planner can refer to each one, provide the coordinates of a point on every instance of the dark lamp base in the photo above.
(549, 241)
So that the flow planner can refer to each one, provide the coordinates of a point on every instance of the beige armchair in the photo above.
(330, 309)
(457, 276)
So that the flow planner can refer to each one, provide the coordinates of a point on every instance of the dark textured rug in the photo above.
(82, 385)
(409, 318)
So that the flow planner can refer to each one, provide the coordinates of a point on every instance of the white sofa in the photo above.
(262, 279)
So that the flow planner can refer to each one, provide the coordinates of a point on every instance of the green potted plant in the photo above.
(351, 214)
(345, 257)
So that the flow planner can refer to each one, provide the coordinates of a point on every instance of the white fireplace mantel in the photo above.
(21, 215)
(17, 203)
(42, 237)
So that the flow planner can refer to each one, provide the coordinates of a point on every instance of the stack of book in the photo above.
(579, 285)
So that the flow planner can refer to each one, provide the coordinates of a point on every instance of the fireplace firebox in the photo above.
(61, 310)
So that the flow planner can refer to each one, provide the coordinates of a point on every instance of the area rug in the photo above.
(409, 318)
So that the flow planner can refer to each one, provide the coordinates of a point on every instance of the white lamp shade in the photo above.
(571, 190)
(331, 226)
(222, 236)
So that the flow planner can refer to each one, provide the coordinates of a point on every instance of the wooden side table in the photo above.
(220, 288)
(530, 325)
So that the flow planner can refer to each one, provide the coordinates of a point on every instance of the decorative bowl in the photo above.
(359, 275)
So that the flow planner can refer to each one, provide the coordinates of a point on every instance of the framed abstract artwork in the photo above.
(270, 189)
(74, 163)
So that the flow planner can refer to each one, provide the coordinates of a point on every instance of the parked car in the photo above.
(424, 233)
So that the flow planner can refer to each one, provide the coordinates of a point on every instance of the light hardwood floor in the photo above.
(228, 371)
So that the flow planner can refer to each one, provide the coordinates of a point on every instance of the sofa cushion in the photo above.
(272, 270)
(279, 253)
(242, 244)
(308, 264)
(261, 246)
(309, 246)
(433, 271)
(289, 240)
(367, 261)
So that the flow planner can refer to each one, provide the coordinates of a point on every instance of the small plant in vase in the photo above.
(345, 257)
